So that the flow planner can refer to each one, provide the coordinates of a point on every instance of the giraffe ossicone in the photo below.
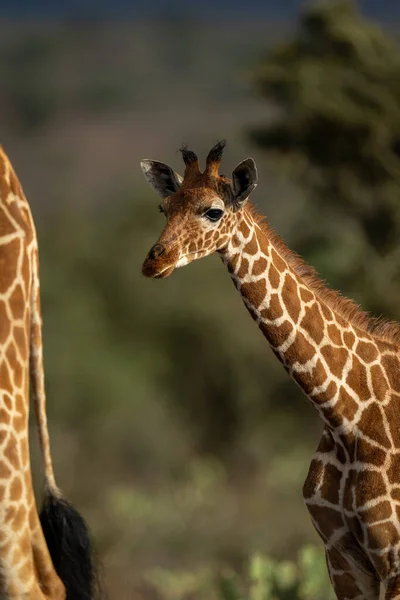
(346, 363)
(46, 557)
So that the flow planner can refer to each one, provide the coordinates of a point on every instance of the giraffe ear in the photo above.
(161, 177)
(244, 181)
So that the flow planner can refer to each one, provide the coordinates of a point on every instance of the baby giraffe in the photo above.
(346, 363)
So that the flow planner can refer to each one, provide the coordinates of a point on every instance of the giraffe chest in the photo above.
(355, 504)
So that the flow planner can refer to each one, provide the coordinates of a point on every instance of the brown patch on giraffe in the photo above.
(2, 492)
(5, 416)
(11, 452)
(370, 454)
(311, 379)
(336, 359)
(9, 255)
(335, 334)
(348, 498)
(367, 351)
(313, 323)
(6, 225)
(328, 519)
(368, 485)
(306, 295)
(372, 425)
(346, 582)
(331, 484)
(244, 267)
(393, 472)
(337, 560)
(392, 367)
(391, 411)
(328, 314)
(328, 394)
(244, 229)
(19, 423)
(290, 297)
(385, 346)
(17, 302)
(314, 477)
(300, 350)
(380, 385)
(357, 379)
(5, 471)
(16, 489)
(259, 266)
(3, 436)
(252, 246)
(5, 381)
(5, 326)
(235, 241)
(277, 334)
(346, 405)
(254, 291)
(7, 400)
(340, 320)
(395, 494)
(278, 261)
(275, 308)
(15, 185)
(20, 404)
(349, 339)
(273, 277)
(381, 535)
(327, 443)
(20, 341)
(379, 512)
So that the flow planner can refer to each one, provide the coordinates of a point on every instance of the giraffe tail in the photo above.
(65, 531)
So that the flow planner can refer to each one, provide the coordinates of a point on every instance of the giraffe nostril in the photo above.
(156, 251)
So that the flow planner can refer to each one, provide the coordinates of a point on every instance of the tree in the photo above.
(336, 85)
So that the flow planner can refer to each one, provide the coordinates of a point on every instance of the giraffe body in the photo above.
(347, 364)
(26, 567)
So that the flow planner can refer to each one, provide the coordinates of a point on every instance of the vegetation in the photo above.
(175, 431)
(338, 134)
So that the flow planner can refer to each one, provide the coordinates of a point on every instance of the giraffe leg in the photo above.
(349, 582)
(26, 570)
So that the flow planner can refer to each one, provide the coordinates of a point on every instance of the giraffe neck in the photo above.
(335, 362)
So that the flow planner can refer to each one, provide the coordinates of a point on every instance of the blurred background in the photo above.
(174, 429)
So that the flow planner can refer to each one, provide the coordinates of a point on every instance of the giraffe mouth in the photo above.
(151, 269)
(164, 272)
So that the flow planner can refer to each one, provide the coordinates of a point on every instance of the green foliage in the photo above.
(337, 91)
(266, 579)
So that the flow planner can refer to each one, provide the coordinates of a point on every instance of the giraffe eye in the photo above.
(214, 214)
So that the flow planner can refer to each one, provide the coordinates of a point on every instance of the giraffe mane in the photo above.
(384, 329)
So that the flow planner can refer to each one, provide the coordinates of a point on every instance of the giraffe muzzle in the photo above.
(159, 263)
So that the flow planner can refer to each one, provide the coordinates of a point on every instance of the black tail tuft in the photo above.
(67, 538)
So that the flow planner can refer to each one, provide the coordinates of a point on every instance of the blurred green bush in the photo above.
(265, 579)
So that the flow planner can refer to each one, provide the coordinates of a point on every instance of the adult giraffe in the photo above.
(30, 568)
(346, 363)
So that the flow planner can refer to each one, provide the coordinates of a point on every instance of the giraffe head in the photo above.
(201, 208)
